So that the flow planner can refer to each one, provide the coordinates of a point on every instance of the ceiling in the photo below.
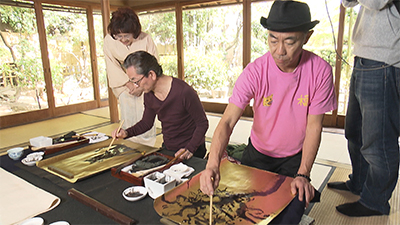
(137, 5)
(146, 5)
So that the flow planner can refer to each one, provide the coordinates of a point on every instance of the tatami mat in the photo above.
(15, 136)
(103, 112)
(325, 211)
(92, 120)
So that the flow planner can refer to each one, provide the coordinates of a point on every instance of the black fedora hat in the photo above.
(288, 16)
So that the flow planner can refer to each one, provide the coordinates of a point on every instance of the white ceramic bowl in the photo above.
(134, 193)
(33, 221)
(15, 153)
(59, 223)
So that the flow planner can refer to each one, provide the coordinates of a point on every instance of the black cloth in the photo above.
(291, 214)
(200, 151)
(106, 189)
(236, 151)
(102, 187)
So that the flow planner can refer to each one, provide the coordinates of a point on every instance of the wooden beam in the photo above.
(179, 41)
(246, 32)
(80, 4)
(139, 6)
(93, 56)
(112, 100)
(79, 107)
(170, 4)
(45, 56)
(338, 64)
(43, 114)
(105, 14)
(24, 118)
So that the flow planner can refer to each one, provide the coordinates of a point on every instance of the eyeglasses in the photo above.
(136, 82)
(123, 36)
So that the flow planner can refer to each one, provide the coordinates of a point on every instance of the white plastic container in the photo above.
(41, 141)
(158, 183)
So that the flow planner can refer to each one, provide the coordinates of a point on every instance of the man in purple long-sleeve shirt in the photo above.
(177, 105)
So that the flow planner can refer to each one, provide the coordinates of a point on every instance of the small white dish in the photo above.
(95, 137)
(180, 168)
(35, 154)
(134, 193)
(59, 223)
(179, 171)
(33, 221)
(31, 161)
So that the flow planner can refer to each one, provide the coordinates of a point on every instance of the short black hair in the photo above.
(124, 20)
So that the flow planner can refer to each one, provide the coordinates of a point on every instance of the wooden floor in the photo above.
(98, 120)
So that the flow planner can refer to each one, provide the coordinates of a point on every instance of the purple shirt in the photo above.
(183, 120)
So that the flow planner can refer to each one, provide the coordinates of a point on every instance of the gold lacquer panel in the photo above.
(92, 159)
(245, 196)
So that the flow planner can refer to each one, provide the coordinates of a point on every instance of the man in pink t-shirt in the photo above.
(292, 89)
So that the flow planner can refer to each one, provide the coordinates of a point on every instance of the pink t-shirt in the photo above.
(282, 101)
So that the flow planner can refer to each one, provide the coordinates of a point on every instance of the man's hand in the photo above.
(209, 181)
(134, 90)
(138, 91)
(303, 187)
(186, 155)
(122, 134)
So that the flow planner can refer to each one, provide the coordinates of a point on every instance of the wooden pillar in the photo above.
(112, 100)
(93, 55)
(45, 56)
(179, 41)
(246, 32)
(338, 64)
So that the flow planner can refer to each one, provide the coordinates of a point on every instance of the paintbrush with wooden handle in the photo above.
(211, 204)
(112, 141)
(174, 159)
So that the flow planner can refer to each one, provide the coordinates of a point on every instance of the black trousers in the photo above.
(397, 4)
(287, 166)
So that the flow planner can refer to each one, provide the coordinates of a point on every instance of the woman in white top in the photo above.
(125, 36)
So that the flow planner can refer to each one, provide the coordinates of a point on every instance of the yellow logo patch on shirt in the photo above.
(303, 100)
(267, 101)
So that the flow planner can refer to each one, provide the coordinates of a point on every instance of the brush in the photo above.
(112, 141)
